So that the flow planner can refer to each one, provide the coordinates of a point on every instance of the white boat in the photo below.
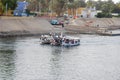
(70, 41)
(45, 39)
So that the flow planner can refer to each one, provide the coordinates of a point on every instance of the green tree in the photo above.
(116, 8)
(39, 5)
(58, 6)
(74, 4)
(90, 3)
(108, 6)
(1, 5)
(99, 4)
(11, 4)
(1, 8)
(82, 3)
(104, 15)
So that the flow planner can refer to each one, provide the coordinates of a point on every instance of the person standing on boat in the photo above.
(62, 25)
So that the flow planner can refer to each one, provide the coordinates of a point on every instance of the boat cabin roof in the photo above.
(71, 38)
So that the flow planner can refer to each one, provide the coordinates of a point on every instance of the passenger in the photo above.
(62, 25)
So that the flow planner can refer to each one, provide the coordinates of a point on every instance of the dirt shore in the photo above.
(27, 26)
(18, 26)
(93, 26)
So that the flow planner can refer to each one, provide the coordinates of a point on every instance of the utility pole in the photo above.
(39, 8)
(52, 9)
(6, 8)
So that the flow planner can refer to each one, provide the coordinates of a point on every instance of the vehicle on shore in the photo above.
(56, 22)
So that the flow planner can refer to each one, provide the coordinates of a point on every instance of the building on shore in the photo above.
(89, 12)
(83, 12)
(21, 9)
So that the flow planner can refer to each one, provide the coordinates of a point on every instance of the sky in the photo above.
(112, 0)
(116, 1)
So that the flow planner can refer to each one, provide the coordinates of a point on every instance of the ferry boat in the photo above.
(70, 41)
(58, 40)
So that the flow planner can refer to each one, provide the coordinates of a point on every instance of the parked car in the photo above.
(66, 18)
(56, 22)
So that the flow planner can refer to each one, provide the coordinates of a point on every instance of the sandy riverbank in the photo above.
(93, 26)
(27, 26)
(18, 26)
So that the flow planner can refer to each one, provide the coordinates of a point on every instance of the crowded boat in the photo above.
(59, 40)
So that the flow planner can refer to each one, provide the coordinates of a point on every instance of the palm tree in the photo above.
(11, 4)
(58, 6)
(1, 8)
(39, 5)
(74, 4)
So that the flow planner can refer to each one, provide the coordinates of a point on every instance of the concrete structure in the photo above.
(83, 12)
(89, 12)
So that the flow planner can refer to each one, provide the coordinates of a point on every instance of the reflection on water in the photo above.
(7, 65)
(97, 58)
(7, 59)
(55, 62)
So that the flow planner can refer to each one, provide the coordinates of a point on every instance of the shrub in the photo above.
(104, 15)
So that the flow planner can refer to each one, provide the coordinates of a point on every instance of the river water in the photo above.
(97, 58)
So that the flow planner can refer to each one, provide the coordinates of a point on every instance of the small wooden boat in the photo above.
(45, 39)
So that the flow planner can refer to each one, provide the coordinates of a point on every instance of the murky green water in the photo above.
(97, 58)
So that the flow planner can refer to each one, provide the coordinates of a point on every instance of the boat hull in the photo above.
(70, 44)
